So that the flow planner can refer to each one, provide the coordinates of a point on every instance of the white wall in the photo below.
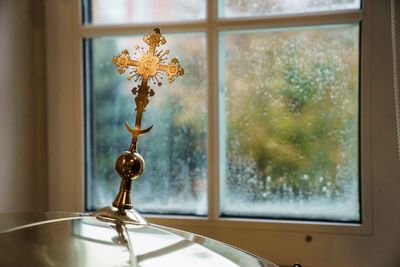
(22, 107)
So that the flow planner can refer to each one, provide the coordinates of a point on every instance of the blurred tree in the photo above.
(292, 110)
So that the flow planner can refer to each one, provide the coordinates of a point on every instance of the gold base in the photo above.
(113, 214)
(123, 199)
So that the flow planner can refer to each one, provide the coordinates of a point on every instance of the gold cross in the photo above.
(149, 65)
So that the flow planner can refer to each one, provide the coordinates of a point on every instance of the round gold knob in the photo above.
(129, 165)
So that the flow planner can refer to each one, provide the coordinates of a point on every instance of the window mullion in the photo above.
(288, 20)
(88, 31)
(212, 22)
(212, 102)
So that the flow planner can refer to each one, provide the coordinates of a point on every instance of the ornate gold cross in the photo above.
(130, 164)
(148, 67)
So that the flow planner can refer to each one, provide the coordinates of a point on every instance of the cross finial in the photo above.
(150, 64)
(130, 164)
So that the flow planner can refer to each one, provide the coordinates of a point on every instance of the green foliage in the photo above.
(292, 113)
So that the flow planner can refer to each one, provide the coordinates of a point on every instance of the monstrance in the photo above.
(117, 235)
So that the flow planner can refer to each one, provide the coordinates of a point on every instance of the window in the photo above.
(341, 34)
(288, 112)
(174, 151)
(290, 133)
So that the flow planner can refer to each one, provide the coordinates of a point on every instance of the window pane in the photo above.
(290, 149)
(139, 11)
(247, 8)
(174, 180)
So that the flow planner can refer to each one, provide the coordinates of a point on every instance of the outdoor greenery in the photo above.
(292, 115)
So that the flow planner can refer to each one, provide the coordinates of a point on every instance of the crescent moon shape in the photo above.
(145, 130)
(132, 131)
(137, 132)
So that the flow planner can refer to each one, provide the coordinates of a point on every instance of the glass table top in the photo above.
(64, 239)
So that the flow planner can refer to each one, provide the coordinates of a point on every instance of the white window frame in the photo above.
(267, 238)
